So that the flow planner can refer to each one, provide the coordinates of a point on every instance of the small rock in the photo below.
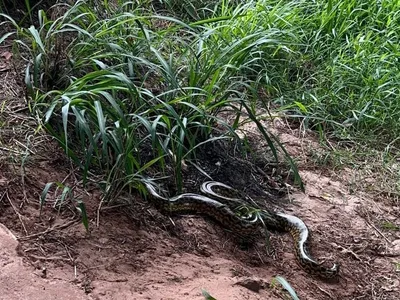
(396, 246)
(254, 285)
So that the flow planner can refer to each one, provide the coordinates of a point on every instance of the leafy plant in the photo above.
(122, 97)
(66, 195)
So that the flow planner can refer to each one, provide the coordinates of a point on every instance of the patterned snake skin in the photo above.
(225, 215)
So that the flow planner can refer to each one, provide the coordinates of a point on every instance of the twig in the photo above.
(365, 215)
(23, 184)
(21, 110)
(10, 150)
(385, 254)
(23, 146)
(259, 256)
(325, 292)
(378, 231)
(98, 213)
(66, 177)
(57, 227)
(49, 258)
(17, 213)
(2, 196)
(114, 206)
(346, 250)
(23, 167)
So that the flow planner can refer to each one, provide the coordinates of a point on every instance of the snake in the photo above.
(224, 213)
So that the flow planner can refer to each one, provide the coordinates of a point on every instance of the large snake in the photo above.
(222, 213)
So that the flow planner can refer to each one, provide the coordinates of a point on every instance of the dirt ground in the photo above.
(134, 252)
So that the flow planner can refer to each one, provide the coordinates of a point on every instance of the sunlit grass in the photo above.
(348, 69)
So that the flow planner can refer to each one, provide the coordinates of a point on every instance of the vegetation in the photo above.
(340, 67)
(129, 87)
(275, 283)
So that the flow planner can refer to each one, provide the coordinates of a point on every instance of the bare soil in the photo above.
(134, 252)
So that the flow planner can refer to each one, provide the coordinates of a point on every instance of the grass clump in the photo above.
(125, 88)
(349, 72)
(128, 89)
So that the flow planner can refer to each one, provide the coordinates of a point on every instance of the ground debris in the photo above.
(252, 284)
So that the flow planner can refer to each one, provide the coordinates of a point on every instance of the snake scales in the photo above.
(222, 213)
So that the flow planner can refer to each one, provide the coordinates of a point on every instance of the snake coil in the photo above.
(222, 213)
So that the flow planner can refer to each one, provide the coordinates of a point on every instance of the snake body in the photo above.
(282, 222)
(225, 215)
(199, 204)
(301, 235)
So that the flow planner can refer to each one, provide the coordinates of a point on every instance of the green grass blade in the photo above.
(43, 195)
(82, 210)
(206, 295)
(286, 286)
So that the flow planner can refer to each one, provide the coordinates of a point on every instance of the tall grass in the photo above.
(337, 68)
(127, 89)
(347, 76)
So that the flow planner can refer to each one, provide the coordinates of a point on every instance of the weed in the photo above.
(67, 195)
(285, 285)
(122, 97)
(390, 226)
(206, 295)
